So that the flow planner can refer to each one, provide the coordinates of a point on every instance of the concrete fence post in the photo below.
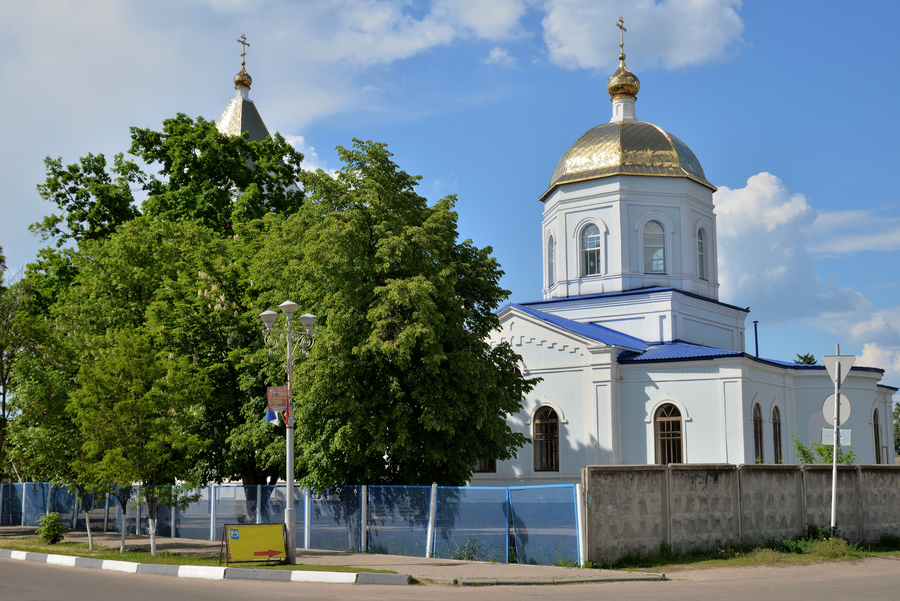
(174, 519)
(859, 512)
(1, 503)
(76, 507)
(669, 505)
(363, 518)
(579, 517)
(432, 511)
(740, 502)
(106, 512)
(803, 508)
(49, 490)
(24, 496)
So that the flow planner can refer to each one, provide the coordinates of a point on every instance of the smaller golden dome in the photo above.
(242, 79)
(623, 82)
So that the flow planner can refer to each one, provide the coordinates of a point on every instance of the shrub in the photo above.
(51, 531)
(831, 548)
(891, 541)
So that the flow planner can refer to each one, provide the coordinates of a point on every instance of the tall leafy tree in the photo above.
(92, 201)
(401, 386)
(135, 407)
(15, 335)
(213, 178)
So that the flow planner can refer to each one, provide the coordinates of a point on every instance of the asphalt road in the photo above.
(872, 579)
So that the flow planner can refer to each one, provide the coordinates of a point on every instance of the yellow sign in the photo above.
(258, 542)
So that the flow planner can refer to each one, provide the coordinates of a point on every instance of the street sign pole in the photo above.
(836, 439)
(838, 367)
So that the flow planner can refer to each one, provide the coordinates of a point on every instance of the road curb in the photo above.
(209, 572)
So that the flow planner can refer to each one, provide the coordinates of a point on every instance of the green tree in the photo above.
(805, 359)
(45, 445)
(203, 175)
(92, 202)
(817, 452)
(401, 386)
(215, 179)
(15, 335)
(135, 407)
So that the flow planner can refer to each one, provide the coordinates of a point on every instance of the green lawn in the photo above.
(162, 556)
(790, 552)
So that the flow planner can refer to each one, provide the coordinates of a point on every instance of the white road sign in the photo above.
(828, 437)
(828, 409)
(831, 364)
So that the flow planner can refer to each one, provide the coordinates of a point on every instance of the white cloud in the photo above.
(888, 359)
(667, 33)
(311, 159)
(500, 57)
(844, 232)
(763, 260)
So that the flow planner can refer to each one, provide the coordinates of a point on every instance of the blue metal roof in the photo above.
(638, 291)
(588, 330)
(640, 350)
(676, 350)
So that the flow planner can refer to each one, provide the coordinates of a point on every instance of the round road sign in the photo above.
(828, 409)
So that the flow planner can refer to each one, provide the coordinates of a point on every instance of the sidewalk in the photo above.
(428, 571)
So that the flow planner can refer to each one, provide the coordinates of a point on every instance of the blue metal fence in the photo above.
(538, 523)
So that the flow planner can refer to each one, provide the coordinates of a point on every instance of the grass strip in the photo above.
(162, 556)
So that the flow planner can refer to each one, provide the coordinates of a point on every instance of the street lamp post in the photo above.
(306, 339)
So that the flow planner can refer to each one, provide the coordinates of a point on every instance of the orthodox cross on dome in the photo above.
(244, 43)
(621, 26)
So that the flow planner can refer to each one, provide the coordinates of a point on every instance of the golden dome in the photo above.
(623, 82)
(242, 79)
(626, 148)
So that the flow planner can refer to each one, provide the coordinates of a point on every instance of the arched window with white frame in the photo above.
(546, 440)
(590, 250)
(758, 433)
(702, 252)
(654, 248)
(668, 434)
(551, 262)
(776, 435)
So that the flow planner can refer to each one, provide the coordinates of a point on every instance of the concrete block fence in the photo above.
(701, 506)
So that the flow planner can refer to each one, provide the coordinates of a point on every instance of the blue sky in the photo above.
(788, 106)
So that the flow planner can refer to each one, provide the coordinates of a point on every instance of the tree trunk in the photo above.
(124, 507)
(87, 523)
(151, 525)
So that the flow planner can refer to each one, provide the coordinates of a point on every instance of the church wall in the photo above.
(695, 389)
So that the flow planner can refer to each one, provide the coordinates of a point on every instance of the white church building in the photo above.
(639, 361)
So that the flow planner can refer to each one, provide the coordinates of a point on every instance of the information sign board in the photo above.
(278, 398)
(828, 436)
(253, 542)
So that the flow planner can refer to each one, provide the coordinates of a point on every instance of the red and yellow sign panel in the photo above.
(278, 398)
(257, 542)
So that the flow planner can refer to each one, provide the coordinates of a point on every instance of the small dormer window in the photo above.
(590, 250)
(654, 248)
